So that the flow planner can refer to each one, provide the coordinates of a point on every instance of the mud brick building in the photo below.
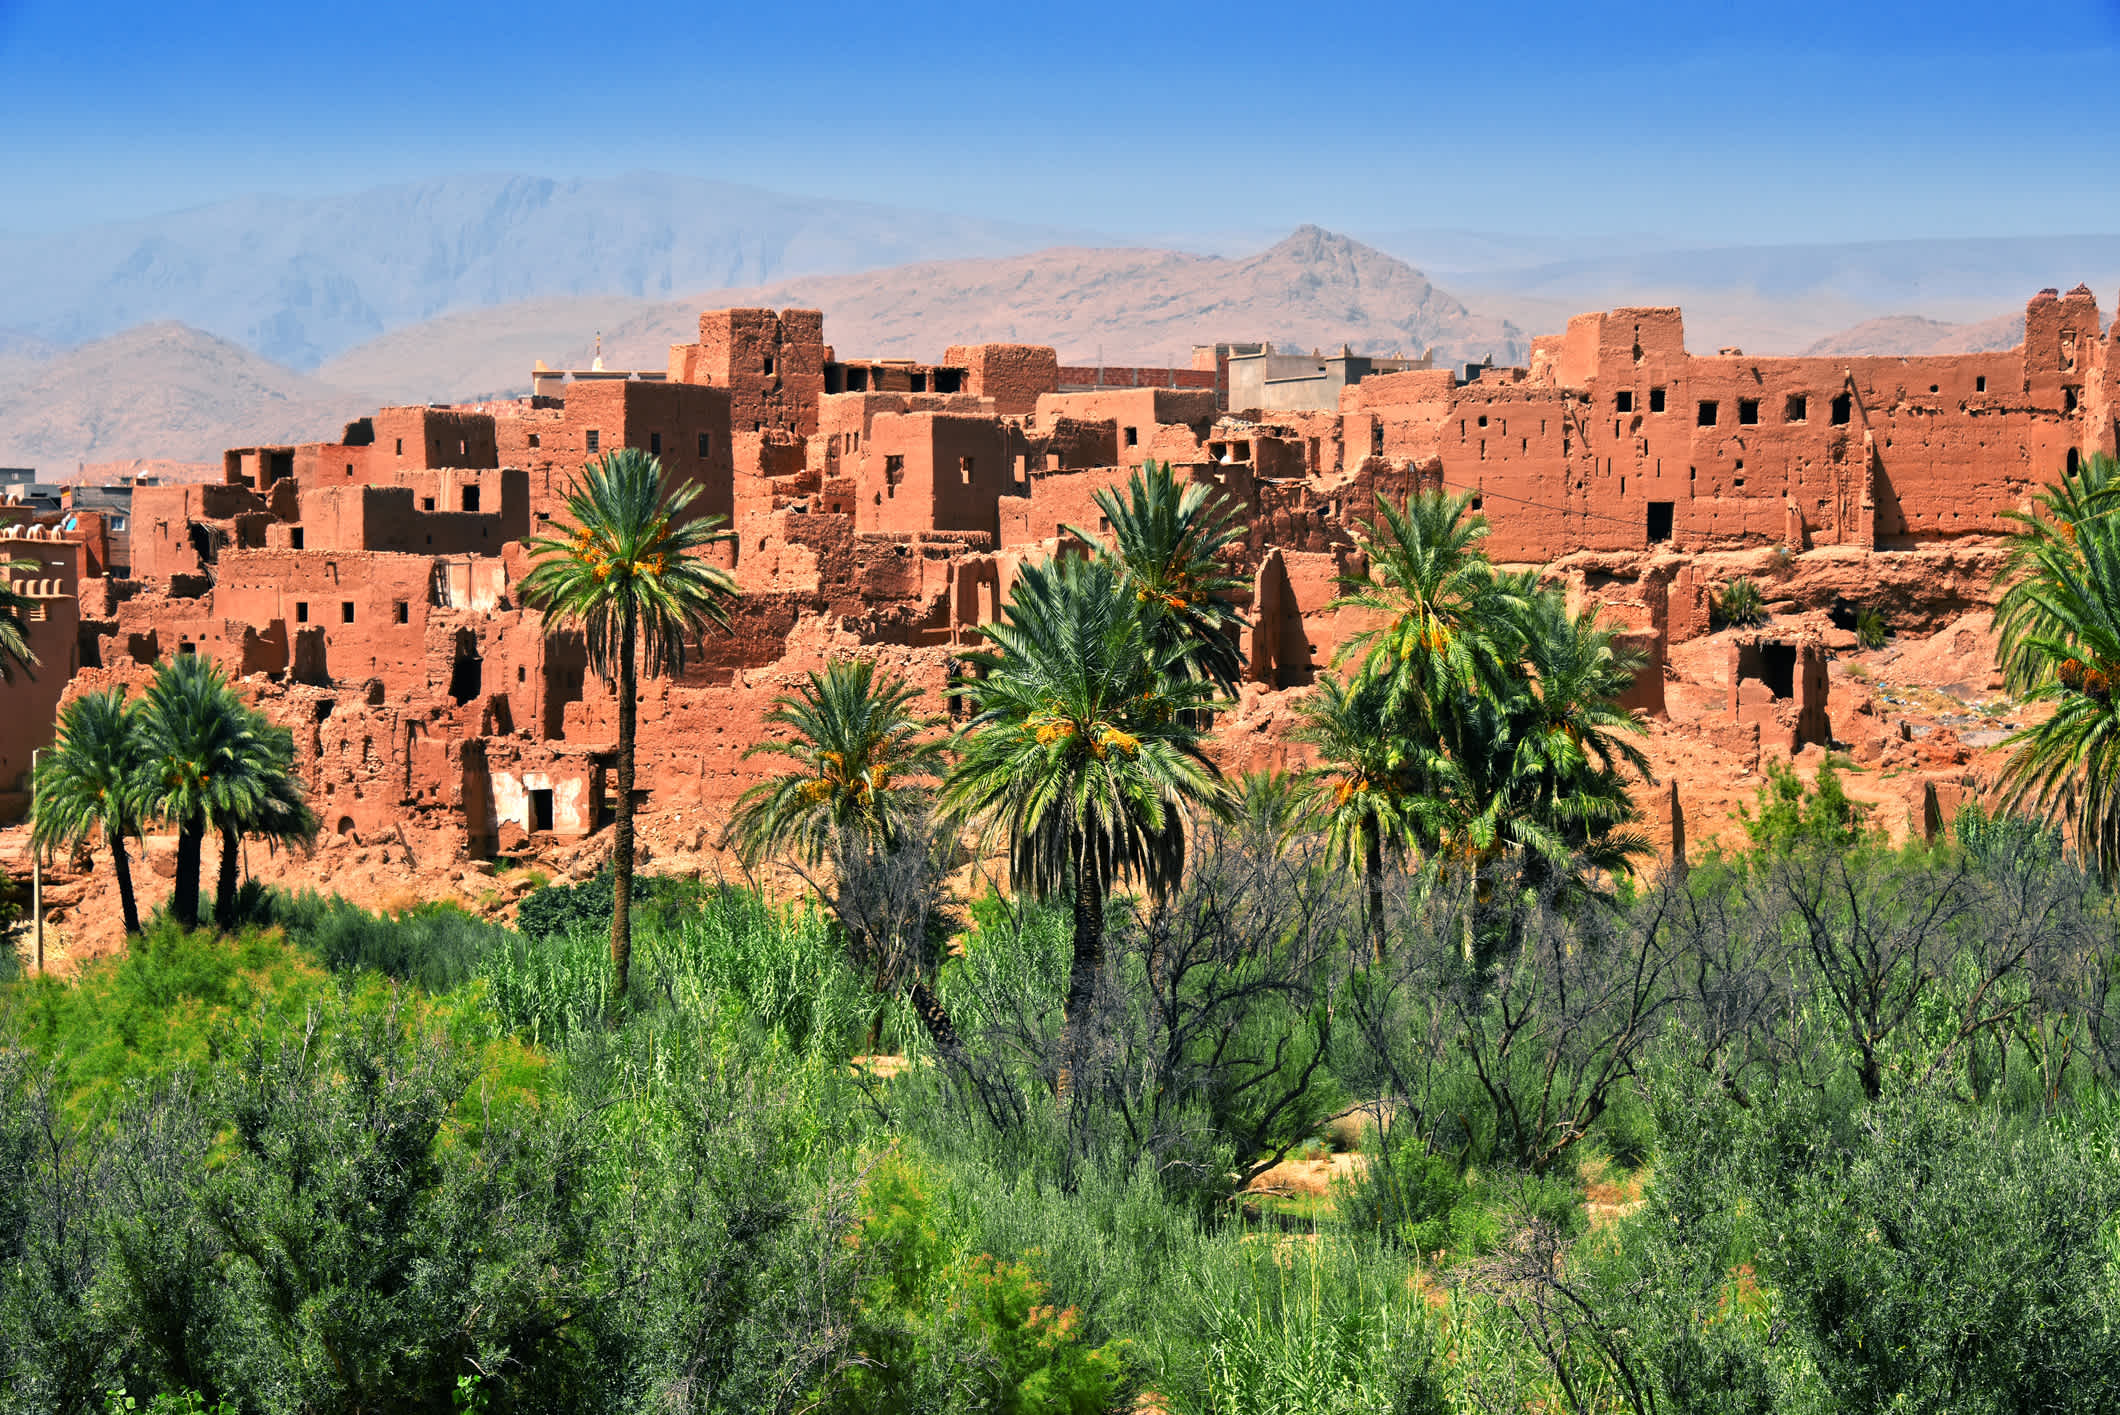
(366, 590)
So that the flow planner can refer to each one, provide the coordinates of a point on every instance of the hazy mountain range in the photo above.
(299, 280)
(271, 318)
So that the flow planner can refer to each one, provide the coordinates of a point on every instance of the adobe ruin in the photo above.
(366, 589)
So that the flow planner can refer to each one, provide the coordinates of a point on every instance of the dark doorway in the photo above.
(466, 677)
(1777, 669)
(541, 809)
(471, 498)
(1659, 522)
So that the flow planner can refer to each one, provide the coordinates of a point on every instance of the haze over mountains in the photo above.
(300, 280)
(269, 318)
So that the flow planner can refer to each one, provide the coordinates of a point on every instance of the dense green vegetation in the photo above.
(1821, 1126)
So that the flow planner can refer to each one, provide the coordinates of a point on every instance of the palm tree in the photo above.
(88, 782)
(854, 746)
(1081, 753)
(1537, 773)
(1448, 619)
(196, 738)
(633, 574)
(15, 609)
(1269, 807)
(272, 807)
(2058, 622)
(1168, 544)
(1370, 791)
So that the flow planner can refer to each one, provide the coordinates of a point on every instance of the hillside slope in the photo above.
(159, 391)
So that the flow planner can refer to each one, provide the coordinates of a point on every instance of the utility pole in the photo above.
(36, 865)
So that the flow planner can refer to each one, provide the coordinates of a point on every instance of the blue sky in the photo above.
(1805, 121)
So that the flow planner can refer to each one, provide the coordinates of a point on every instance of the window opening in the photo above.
(294, 538)
(346, 612)
(1623, 401)
(655, 444)
(301, 612)
(1656, 400)
(1843, 409)
(1747, 411)
(471, 498)
(1707, 412)
(402, 611)
(593, 439)
(1659, 522)
(540, 808)
(1797, 409)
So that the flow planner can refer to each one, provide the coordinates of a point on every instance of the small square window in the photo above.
(346, 612)
(294, 538)
(1708, 412)
(593, 440)
(426, 503)
(403, 612)
(1656, 400)
(470, 498)
(1747, 411)
(964, 470)
(1623, 401)
(1133, 437)
(1797, 409)
(301, 612)
(533, 439)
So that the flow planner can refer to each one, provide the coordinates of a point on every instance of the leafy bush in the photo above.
(1740, 603)
(437, 946)
(1918, 1258)
(1870, 629)
(1417, 1199)
(1787, 816)
(945, 1330)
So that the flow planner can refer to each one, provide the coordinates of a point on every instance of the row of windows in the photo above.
(401, 611)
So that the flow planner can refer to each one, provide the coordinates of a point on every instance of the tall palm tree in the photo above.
(1168, 543)
(272, 807)
(632, 572)
(1081, 754)
(855, 746)
(196, 738)
(2058, 623)
(1537, 774)
(1447, 618)
(15, 609)
(89, 782)
(1371, 789)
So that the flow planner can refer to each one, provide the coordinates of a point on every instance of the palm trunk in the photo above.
(121, 865)
(224, 898)
(184, 902)
(1087, 963)
(1373, 874)
(622, 828)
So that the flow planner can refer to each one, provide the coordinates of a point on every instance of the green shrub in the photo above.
(945, 1330)
(1410, 1196)
(1788, 816)
(438, 946)
(1870, 629)
(1740, 603)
